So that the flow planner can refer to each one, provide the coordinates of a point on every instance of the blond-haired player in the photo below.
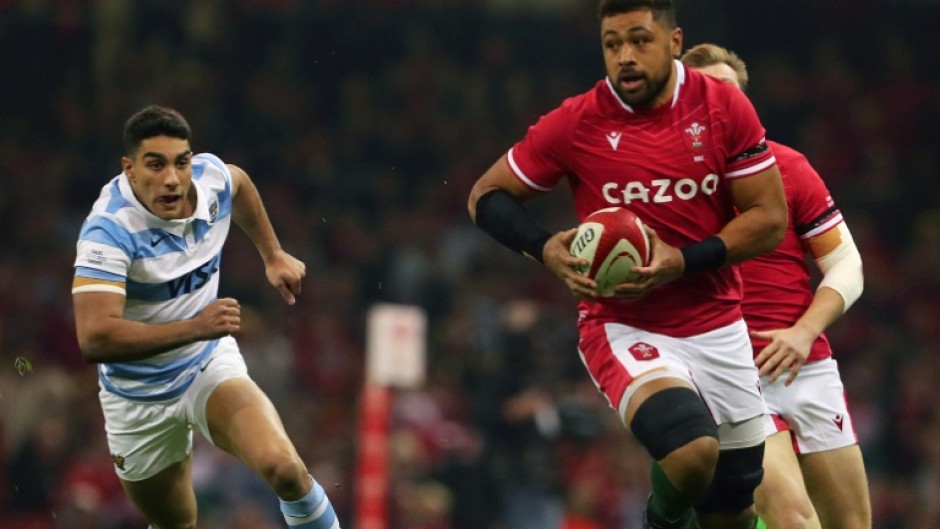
(811, 443)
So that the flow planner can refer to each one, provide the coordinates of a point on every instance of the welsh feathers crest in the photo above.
(695, 132)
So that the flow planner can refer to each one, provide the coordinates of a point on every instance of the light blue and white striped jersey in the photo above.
(168, 269)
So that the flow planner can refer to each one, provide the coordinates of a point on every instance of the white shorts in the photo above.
(719, 363)
(147, 437)
(812, 408)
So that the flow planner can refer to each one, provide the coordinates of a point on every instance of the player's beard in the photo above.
(643, 98)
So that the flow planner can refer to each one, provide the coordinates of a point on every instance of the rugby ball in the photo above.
(612, 241)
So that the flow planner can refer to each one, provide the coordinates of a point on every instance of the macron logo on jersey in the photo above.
(614, 139)
(838, 420)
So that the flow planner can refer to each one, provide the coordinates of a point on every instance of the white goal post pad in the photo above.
(396, 345)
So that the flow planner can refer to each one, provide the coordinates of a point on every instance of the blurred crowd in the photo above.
(364, 124)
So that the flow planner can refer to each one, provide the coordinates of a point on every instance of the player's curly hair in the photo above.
(709, 54)
(664, 11)
(152, 121)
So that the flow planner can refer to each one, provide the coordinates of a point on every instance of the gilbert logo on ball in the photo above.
(612, 241)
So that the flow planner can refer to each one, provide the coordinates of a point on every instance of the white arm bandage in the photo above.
(841, 265)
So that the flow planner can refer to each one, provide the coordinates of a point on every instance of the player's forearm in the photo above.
(495, 206)
(121, 340)
(825, 309)
(504, 218)
(249, 213)
(755, 231)
(838, 259)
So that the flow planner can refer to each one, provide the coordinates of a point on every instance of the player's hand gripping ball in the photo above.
(612, 241)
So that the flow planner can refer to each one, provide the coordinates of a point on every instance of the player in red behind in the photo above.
(787, 322)
(671, 353)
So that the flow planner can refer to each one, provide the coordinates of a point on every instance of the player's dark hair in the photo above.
(664, 11)
(152, 121)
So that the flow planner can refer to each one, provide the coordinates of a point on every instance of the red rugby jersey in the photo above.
(777, 284)
(670, 166)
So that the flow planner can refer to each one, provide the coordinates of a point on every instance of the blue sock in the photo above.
(313, 511)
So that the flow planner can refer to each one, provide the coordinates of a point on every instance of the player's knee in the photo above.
(783, 511)
(694, 465)
(737, 475)
(670, 419)
(676, 428)
(285, 474)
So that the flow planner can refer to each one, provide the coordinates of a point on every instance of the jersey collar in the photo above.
(680, 80)
(174, 226)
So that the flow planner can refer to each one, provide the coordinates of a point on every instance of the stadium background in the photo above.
(364, 124)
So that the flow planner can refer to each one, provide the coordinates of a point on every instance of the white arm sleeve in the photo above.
(842, 268)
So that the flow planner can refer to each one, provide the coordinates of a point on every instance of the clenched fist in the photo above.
(220, 318)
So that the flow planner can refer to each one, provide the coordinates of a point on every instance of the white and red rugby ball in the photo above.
(612, 241)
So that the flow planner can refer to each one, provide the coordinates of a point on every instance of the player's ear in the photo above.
(676, 42)
(128, 167)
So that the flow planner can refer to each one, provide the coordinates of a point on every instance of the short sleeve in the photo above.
(103, 257)
(541, 158)
(813, 209)
(747, 146)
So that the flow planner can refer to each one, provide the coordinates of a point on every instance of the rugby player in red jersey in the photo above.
(811, 443)
(671, 351)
